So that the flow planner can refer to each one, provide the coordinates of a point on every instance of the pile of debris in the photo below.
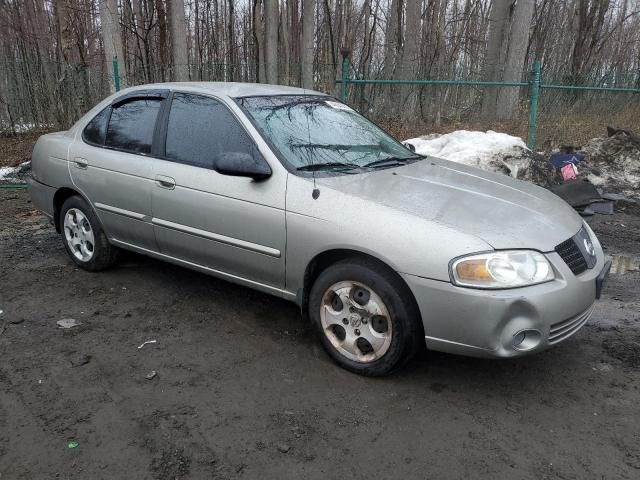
(614, 162)
(592, 178)
(605, 171)
(582, 195)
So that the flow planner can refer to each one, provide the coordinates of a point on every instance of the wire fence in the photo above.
(550, 112)
(50, 95)
(548, 109)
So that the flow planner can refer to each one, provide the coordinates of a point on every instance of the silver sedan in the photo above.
(294, 193)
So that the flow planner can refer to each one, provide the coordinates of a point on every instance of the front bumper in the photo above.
(487, 323)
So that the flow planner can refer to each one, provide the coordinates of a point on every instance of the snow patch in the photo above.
(24, 127)
(493, 151)
(6, 172)
(12, 174)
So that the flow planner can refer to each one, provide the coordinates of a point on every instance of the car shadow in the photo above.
(267, 314)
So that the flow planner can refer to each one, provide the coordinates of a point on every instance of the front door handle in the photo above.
(165, 182)
(81, 163)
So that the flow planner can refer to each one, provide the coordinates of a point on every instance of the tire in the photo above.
(366, 283)
(83, 236)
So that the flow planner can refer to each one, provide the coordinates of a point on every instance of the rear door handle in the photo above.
(165, 182)
(81, 163)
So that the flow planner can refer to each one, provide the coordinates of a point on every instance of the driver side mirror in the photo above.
(240, 164)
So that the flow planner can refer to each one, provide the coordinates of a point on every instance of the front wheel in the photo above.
(84, 239)
(366, 317)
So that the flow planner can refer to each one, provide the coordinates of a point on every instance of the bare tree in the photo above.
(518, 40)
(111, 37)
(498, 33)
(410, 58)
(56, 55)
(392, 49)
(271, 40)
(587, 29)
(178, 40)
(308, 17)
(393, 34)
(258, 40)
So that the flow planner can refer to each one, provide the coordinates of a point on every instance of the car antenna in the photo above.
(316, 192)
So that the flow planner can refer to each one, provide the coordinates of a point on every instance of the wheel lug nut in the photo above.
(357, 332)
(345, 321)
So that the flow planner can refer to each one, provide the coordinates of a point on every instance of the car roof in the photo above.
(230, 89)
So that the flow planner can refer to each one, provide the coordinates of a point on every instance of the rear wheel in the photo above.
(366, 317)
(84, 239)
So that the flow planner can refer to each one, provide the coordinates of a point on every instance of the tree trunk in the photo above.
(111, 38)
(498, 32)
(258, 34)
(392, 48)
(516, 49)
(439, 59)
(232, 55)
(308, 16)
(286, 45)
(410, 60)
(391, 38)
(271, 40)
(163, 37)
(178, 27)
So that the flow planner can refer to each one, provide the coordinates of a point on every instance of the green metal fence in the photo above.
(553, 108)
(534, 84)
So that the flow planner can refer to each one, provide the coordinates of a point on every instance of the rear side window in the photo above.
(201, 128)
(131, 125)
(96, 129)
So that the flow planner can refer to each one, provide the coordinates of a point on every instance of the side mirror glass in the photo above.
(239, 164)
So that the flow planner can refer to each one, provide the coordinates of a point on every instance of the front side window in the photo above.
(131, 125)
(96, 129)
(319, 133)
(200, 129)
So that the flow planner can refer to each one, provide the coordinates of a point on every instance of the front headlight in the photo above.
(502, 269)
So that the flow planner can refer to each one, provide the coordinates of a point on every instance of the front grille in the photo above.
(563, 330)
(578, 252)
(572, 256)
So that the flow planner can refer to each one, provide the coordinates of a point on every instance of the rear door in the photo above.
(234, 225)
(112, 165)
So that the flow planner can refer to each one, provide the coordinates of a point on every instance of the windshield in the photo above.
(319, 133)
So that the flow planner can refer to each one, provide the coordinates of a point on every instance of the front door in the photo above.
(234, 225)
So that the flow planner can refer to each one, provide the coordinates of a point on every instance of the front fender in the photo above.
(339, 221)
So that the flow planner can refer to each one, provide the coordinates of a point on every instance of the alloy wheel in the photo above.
(79, 235)
(356, 321)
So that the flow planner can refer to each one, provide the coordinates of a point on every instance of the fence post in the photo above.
(345, 73)
(534, 93)
(116, 74)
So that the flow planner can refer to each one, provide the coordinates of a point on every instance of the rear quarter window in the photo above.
(96, 130)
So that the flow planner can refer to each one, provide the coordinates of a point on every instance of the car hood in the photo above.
(502, 211)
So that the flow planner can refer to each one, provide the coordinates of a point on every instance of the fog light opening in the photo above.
(526, 340)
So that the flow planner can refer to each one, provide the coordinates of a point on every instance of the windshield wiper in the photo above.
(390, 161)
(327, 166)
(336, 147)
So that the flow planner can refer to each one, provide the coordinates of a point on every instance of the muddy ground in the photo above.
(243, 390)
